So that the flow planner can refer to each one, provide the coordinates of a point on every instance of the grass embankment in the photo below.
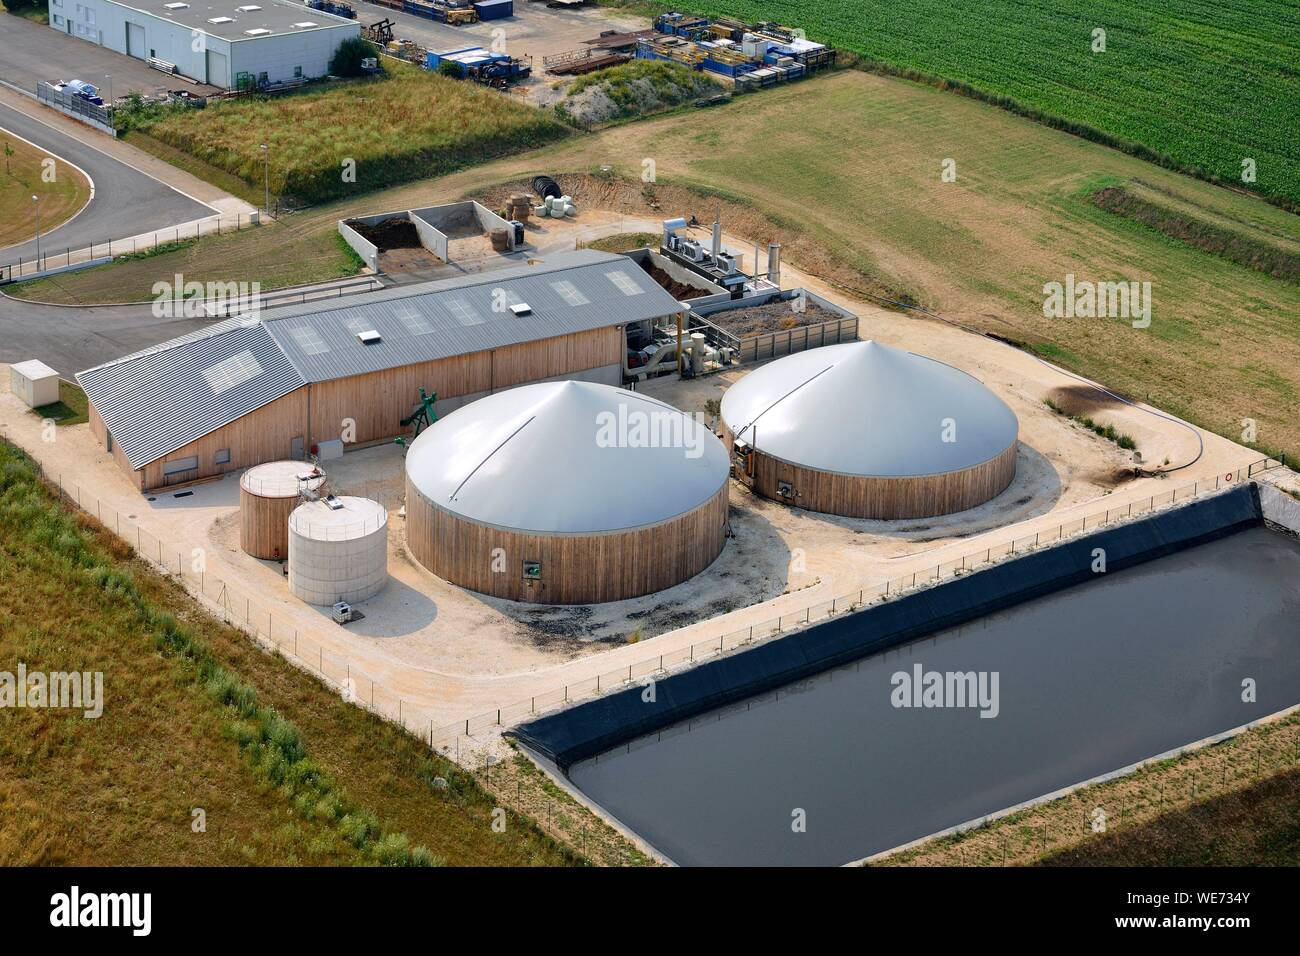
(1233, 803)
(1239, 243)
(21, 178)
(1256, 826)
(277, 255)
(638, 88)
(623, 242)
(353, 137)
(253, 193)
(197, 718)
(1146, 93)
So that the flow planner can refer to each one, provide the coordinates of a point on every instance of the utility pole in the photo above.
(37, 201)
(266, 177)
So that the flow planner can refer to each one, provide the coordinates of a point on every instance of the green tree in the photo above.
(346, 60)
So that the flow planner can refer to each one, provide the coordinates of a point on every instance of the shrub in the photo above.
(346, 60)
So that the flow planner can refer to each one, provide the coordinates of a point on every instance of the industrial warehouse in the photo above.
(226, 44)
(312, 379)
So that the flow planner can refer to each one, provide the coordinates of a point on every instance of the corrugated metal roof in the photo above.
(161, 400)
(457, 316)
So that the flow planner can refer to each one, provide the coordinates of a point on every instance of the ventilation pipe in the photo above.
(671, 228)
(717, 237)
(774, 264)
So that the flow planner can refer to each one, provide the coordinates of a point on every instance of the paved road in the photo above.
(70, 339)
(126, 202)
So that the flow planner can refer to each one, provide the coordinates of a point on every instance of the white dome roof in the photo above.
(567, 458)
(863, 408)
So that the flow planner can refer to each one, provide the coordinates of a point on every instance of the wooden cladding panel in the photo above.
(575, 569)
(922, 496)
(378, 401)
(264, 524)
(264, 434)
(100, 432)
(531, 361)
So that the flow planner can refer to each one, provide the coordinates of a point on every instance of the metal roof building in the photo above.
(219, 42)
(584, 492)
(571, 292)
(363, 361)
(866, 430)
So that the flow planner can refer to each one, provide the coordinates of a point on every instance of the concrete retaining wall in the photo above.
(366, 249)
(433, 239)
(1280, 509)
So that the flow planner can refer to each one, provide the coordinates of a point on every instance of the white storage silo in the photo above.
(338, 550)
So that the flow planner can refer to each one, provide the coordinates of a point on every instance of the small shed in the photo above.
(34, 382)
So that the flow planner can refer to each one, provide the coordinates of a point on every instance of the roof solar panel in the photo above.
(308, 340)
(569, 292)
(624, 282)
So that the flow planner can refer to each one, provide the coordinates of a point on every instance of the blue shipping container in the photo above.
(494, 9)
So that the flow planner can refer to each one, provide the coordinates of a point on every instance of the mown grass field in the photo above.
(20, 179)
(195, 717)
(1206, 85)
(409, 125)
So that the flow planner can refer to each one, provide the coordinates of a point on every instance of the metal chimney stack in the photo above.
(717, 238)
(774, 263)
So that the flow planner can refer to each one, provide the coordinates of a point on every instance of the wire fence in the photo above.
(266, 619)
(28, 267)
(83, 108)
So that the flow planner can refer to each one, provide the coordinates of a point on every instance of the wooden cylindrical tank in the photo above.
(267, 496)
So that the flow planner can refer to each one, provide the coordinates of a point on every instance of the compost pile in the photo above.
(678, 290)
(774, 317)
(395, 233)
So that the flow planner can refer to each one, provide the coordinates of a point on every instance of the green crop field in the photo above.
(1205, 85)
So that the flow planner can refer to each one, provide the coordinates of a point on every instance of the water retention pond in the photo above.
(1074, 684)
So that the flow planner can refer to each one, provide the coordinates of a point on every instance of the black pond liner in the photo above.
(596, 726)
